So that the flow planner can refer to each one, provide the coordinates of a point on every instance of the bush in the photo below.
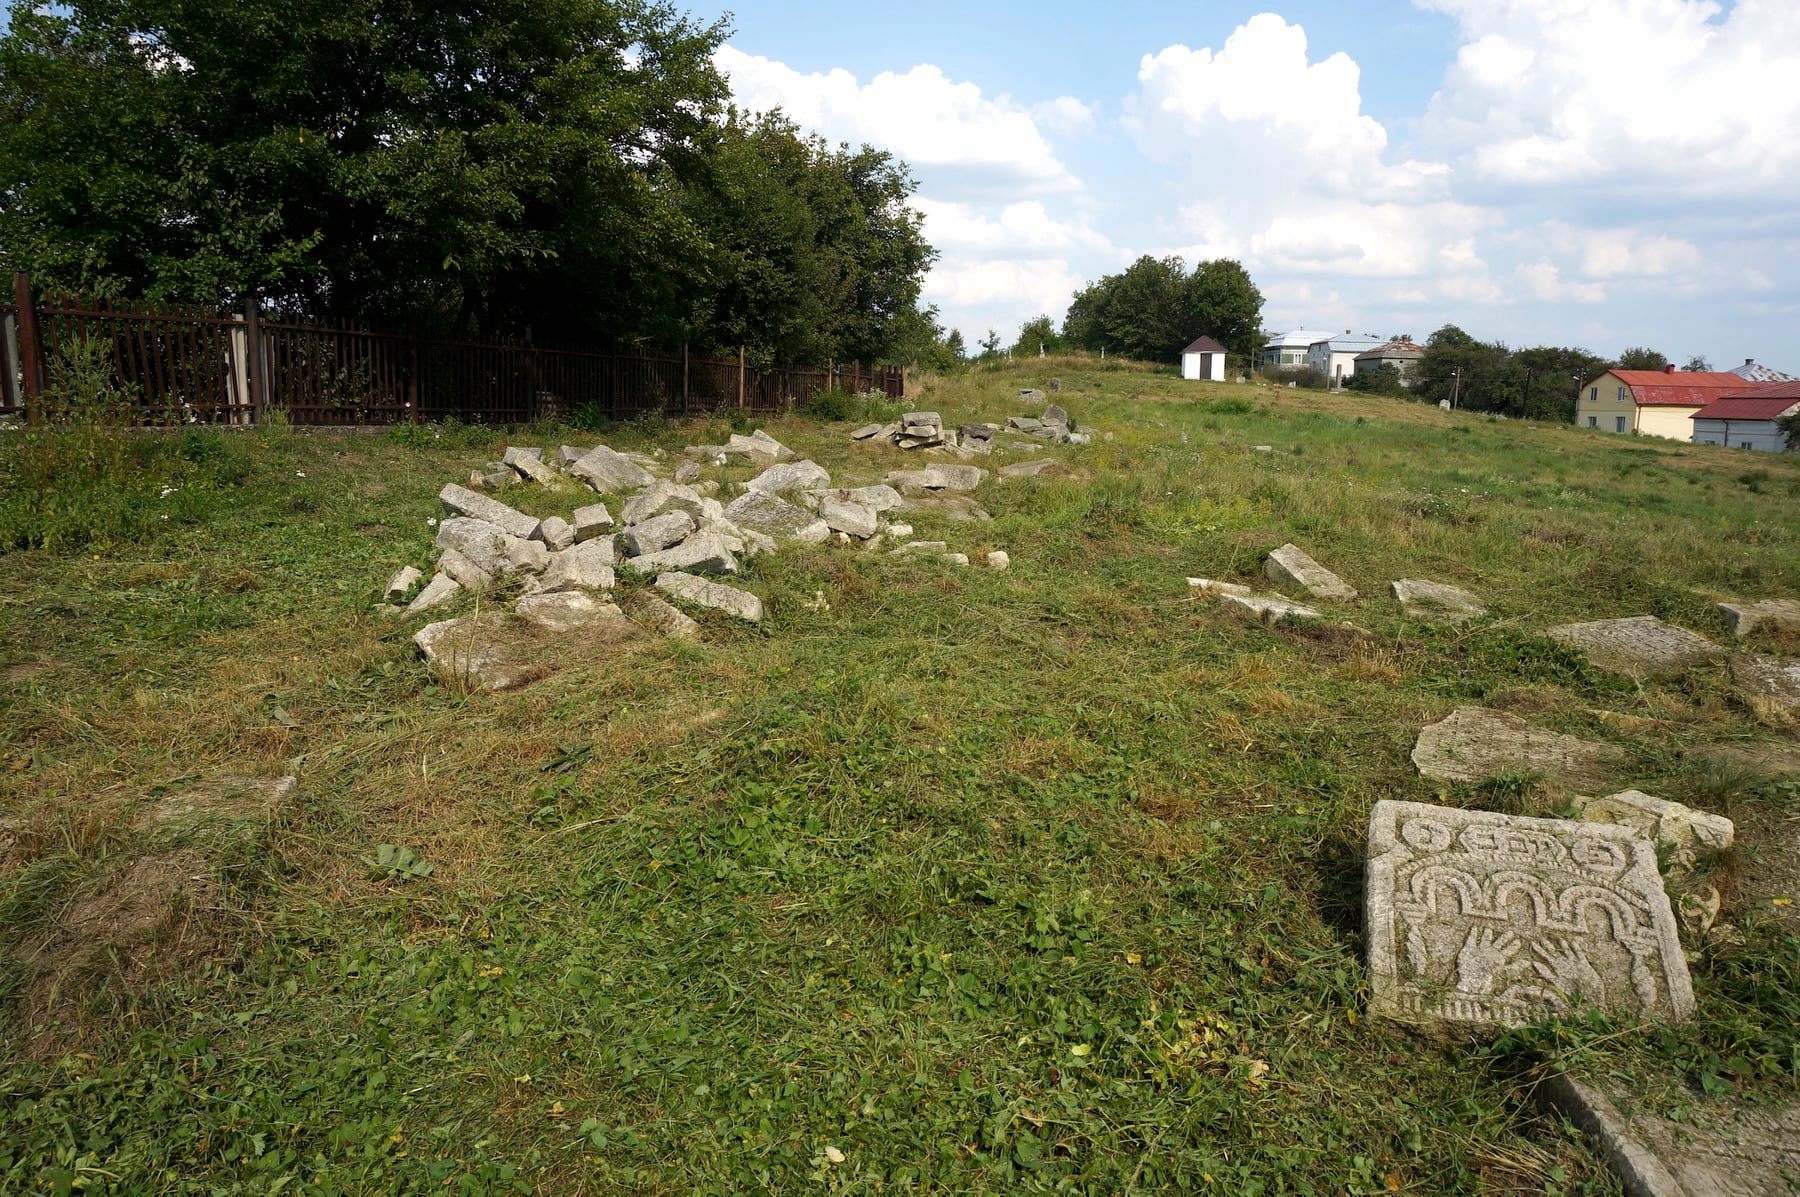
(866, 408)
(1306, 376)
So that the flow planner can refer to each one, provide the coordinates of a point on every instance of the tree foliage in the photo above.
(1037, 335)
(1539, 383)
(1640, 357)
(1384, 379)
(564, 167)
(1698, 363)
(1155, 308)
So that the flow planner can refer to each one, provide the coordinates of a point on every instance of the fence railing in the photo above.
(171, 364)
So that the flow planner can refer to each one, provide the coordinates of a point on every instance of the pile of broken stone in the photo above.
(672, 530)
(925, 430)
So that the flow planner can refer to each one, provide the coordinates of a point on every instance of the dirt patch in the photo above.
(1328, 641)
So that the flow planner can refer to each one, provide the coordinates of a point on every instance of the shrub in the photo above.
(1306, 376)
(866, 408)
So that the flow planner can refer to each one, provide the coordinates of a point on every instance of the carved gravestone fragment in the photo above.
(1642, 646)
(1479, 921)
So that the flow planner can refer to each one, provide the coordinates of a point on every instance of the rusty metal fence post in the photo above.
(30, 350)
(253, 362)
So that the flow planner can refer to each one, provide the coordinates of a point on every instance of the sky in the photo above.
(1602, 173)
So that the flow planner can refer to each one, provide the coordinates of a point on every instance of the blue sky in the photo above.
(1611, 173)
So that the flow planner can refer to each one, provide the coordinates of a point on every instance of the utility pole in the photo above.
(1525, 403)
(1455, 386)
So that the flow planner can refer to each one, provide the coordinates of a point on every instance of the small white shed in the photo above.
(1204, 360)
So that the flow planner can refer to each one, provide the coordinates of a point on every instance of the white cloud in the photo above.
(1066, 115)
(1616, 253)
(1032, 287)
(1546, 283)
(1025, 229)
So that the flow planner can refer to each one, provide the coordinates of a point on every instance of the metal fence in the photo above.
(171, 364)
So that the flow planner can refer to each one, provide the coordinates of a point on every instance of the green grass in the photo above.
(991, 882)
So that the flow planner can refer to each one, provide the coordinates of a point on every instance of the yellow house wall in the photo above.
(1673, 422)
(1608, 407)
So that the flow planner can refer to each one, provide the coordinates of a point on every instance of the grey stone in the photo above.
(441, 589)
(479, 652)
(478, 541)
(661, 618)
(1289, 566)
(1028, 469)
(587, 565)
(977, 432)
(1745, 618)
(1055, 385)
(1032, 395)
(815, 533)
(498, 478)
(952, 507)
(656, 533)
(1024, 423)
(921, 546)
(463, 501)
(567, 611)
(998, 559)
(687, 473)
(1266, 608)
(1081, 438)
(467, 574)
(1262, 448)
(702, 593)
(875, 498)
(1478, 921)
(1054, 415)
(527, 556)
(791, 475)
(567, 455)
(758, 444)
(556, 533)
(866, 432)
(1642, 646)
(956, 558)
(696, 554)
(1657, 819)
(1477, 744)
(1771, 685)
(1719, 1148)
(767, 512)
(591, 521)
(659, 497)
(928, 419)
(402, 583)
(851, 518)
(477, 479)
(529, 463)
(1435, 600)
(605, 470)
(938, 477)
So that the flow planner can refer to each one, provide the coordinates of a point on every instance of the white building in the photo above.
(1290, 349)
(1204, 360)
(1746, 419)
(1335, 357)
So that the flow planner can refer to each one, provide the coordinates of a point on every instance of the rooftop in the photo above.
(1678, 388)
(1301, 339)
(1754, 371)
(1205, 345)
(1396, 348)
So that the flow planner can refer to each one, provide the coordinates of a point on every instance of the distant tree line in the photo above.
(571, 168)
(1540, 383)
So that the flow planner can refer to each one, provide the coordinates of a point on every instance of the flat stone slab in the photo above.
(1027, 469)
(586, 566)
(1744, 618)
(567, 611)
(530, 464)
(851, 518)
(480, 652)
(1435, 600)
(1718, 1149)
(661, 496)
(441, 589)
(867, 431)
(661, 618)
(1265, 608)
(1642, 646)
(791, 475)
(1477, 744)
(938, 477)
(1478, 921)
(1661, 821)
(605, 470)
(463, 501)
(656, 533)
(700, 554)
(767, 512)
(401, 584)
(1289, 566)
(1771, 685)
(702, 593)
(879, 497)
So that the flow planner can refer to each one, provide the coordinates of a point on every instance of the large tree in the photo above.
(1155, 307)
(1537, 383)
(1641, 357)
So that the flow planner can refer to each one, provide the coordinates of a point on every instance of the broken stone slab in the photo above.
(567, 455)
(1435, 600)
(1771, 685)
(591, 521)
(702, 593)
(921, 546)
(585, 566)
(765, 511)
(876, 498)
(1055, 416)
(527, 556)
(926, 419)
(231, 807)
(460, 500)
(687, 473)
(952, 507)
(695, 555)
(815, 533)
(956, 558)
(477, 541)
(758, 444)
(938, 477)
(851, 518)
(1745, 618)
(866, 432)
(1726, 1147)
(1027, 469)
(656, 533)
(567, 611)
(900, 531)
(791, 475)
(1289, 566)
(467, 574)
(556, 533)
(529, 463)
(998, 559)
(1024, 423)
(1642, 646)
(1262, 448)
(1477, 922)
(1682, 828)
(1081, 438)
(401, 584)
(1477, 744)
(480, 652)
(605, 470)
(1267, 608)
(498, 478)
(441, 589)
(977, 432)
(660, 497)
(657, 616)
(1032, 395)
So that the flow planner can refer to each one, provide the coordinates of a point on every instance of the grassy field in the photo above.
(959, 881)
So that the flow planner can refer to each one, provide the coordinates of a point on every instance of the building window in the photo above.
(1621, 394)
(1593, 394)
(1743, 444)
(1593, 421)
(1621, 424)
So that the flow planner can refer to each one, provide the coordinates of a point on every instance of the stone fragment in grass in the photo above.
(463, 501)
(938, 477)
(921, 546)
(758, 446)
(1745, 618)
(468, 574)
(658, 497)
(1269, 608)
(1476, 922)
(1436, 601)
(1770, 685)
(527, 556)
(687, 473)
(956, 558)
(1024, 423)
(224, 810)
(702, 593)
(1262, 448)
(1055, 416)
(656, 533)
(402, 583)
(607, 471)
(899, 531)
(700, 554)
(483, 652)
(661, 618)
(1290, 566)
(567, 455)
(998, 559)
(586, 566)
(1477, 744)
(556, 533)
(567, 611)
(1682, 828)
(866, 431)
(879, 497)
(441, 589)
(529, 463)
(851, 518)
(767, 512)
(1027, 469)
(1032, 395)
(1642, 646)
(591, 521)
(478, 541)
(815, 533)
(791, 475)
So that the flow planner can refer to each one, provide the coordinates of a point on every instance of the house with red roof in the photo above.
(1745, 419)
(1652, 402)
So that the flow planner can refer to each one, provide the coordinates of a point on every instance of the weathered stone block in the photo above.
(998, 559)
(527, 556)
(697, 554)
(687, 473)
(1056, 416)
(767, 512)
(815, 533)
(1027, 469)
(866, 432)
(529, 463)
(1436, 601)
(656, 533)
(605, 471)
(1289, 566)
(1771, 685)
(1680, 827)
(478, 541)
(1477, 744)
(479, 652)
(1745, 618)
(441, 589)
(659, 497)
(556, 533)
(875, 498)
(1642, 646)
(661, 618)
(938, 477)
(791, 475)
(591, 521)
(402, 583)
(702, 593)
(568, 611)
(850, 518)
(463, 501)
(588, 565)
(1478, 921)
(467, 574)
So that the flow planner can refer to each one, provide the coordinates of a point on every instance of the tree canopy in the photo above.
(1037, 335)
(1155, 308)
(1640, 357)
(1539, 383)
(565, 167)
